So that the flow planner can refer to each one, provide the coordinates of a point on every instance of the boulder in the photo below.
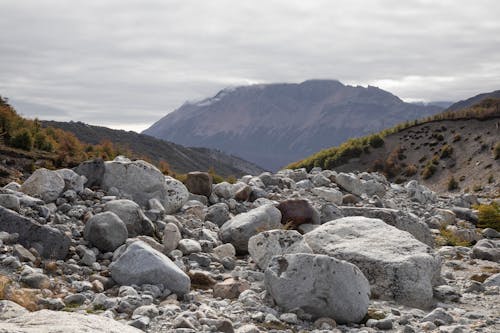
(329, 194)
(242, 191)
(397, 219)
(44, 184)
(106, 231)
(224, 190)
(10, 201)
(171, 237)
(132, 215)
(350, 183)
(47, 321)
(9, 309)
(93, 170)
(141, 181)
(72, 180)
(295, 212)
(141, 264)
(177, 195)
(420, 193)
(487, 249)
(218, 214)
(49, 242)
(199, 183)
(263, 246)
(398, 266)
(240, 228)
(319, 285)
(466, 214)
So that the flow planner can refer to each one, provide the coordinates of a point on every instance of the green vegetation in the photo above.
(430, 168)
(336, 156)
(489, 216)
(446, 151)
(451, 239)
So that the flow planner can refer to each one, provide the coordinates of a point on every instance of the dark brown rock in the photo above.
(296, 212)
(199, 183)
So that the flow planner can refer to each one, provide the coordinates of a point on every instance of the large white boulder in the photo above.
(141, 181)
(329, 194)
(47, 321)
(265, 245)
(141, 264)
(397, 265)
(240, 228)
(72, 180)
(44, 184)
(132, 215)
(320, 285)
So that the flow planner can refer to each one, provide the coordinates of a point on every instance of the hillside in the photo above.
(461, 144)
(180, 159)
(473, 101)
(275, 124)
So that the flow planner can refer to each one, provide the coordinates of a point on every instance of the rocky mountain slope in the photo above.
(470, 102)
(181, 159)
(454, 150)
(275, 124)
(295, 251)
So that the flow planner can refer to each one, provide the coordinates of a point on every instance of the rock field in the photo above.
(118, 247)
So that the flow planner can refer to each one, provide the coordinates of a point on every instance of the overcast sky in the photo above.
(125, 63)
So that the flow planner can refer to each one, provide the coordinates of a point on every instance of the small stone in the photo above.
(290, 318)
(224, 250)
(36, 281)
(188, 246)
(325, 323)
(171, 237)
(23, 254)
(230, 288)
(438, 315)
(74, 299)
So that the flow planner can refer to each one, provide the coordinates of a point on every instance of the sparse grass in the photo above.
(452, 239)
(410, 170)
(477, 188)
(489, 216)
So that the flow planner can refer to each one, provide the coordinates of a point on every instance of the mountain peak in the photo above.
(274, 124)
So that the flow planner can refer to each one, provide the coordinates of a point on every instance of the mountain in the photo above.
(274, 124)
(461, 146)
(473, 101)
(180, 159)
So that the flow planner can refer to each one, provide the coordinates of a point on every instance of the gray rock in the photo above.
(466, 214)
(218, 214)
(487, 249)
(23, 254)
(10, 201)
(350, 183)
(188, 246)
(44, 184)
(438, 316)
(36, 280)
(13, 186)
(106, 231)
(141, 181)
(320, 180)
(491, 233)
(397, 265)
(49, 242)
(224, 250)
(199, 183)
(396, 218)
(492, 281)
(329, 194)
(420, 193)
(132, 215)
(447, 293)
(320, 285)
(9, 309)
(72, 180)
(330, 212)
(93, 170)
(224, 190)
(141, 264)
(263, 246)
(239, 229)
(46, 321)
(171, 237)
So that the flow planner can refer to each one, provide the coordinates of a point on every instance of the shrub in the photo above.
(22, 140)
(496, 151)
(429, 169)
(446, 151)
(410, 170)
(451, 239)
(42, 142)
(376, 141)
(477, 188)
(452, 184)
(489, 216)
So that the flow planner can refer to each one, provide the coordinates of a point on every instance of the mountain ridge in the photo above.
(274, 124)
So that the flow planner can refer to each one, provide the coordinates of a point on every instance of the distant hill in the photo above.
(181, 159)
(275, 124)
(463, 144)
(473, 101)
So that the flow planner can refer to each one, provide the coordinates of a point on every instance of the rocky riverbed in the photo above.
(118, 247)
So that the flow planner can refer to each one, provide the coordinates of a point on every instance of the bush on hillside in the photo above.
(22, 140)
(489, 216)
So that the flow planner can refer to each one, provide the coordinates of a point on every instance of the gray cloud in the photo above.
(126, 63)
